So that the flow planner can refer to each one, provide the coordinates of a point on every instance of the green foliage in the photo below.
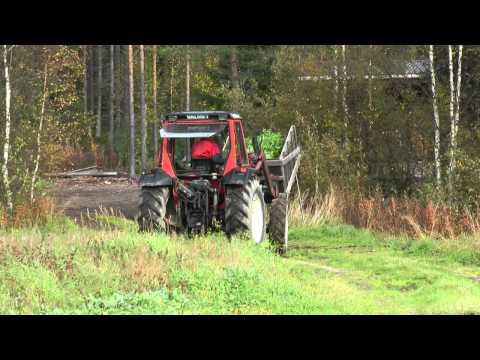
(270, 141)
(465, 187)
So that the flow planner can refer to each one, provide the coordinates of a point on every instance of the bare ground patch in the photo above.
(85, 195)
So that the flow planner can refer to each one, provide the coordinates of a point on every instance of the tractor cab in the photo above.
(198, 144)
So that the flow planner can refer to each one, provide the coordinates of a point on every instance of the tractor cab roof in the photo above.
(189, 130)
(202, 115)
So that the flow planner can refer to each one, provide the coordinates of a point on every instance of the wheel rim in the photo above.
(257, 220)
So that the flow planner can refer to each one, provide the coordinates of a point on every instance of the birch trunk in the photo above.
(132, 113)
(459, 84)
(436, 122)
(370, 81)
(143, 109)
(39, 133)
(187, 106)
(6, 146)
(155, 114)
(344, 96)
(111, 105)
(452, 93)
(98, 132)
(452, 105)
(455, 115)
(335, 75)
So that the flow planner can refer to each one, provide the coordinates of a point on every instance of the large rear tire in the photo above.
(278, 224)
(245, 211)
(152, 209)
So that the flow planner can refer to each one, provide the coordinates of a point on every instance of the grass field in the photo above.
(63, 268)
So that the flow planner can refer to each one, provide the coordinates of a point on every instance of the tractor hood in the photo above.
(175, 131)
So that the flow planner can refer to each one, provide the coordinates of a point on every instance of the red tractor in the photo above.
(206, 179)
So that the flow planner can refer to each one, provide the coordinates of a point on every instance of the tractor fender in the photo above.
(236, 177)
(157, 179)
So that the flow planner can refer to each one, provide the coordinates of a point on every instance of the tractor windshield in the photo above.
(182, 138)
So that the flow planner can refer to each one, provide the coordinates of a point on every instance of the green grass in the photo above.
(63, 268)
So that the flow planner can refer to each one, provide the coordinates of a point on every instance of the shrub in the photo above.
(271, 142)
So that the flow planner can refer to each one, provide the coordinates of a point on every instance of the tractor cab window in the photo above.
(240, 142)
(182, 138)
(223, 141)
(181, 149)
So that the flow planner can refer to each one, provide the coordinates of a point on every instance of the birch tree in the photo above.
(344, 96)
(154, 85)
(39, 132)
(335, 75)
(132, 113)
(6, 145)
(98, 132)
(436, 119)
(459, 84)
(452, 92)
(143, 109)
(370, 80)
(454, 102)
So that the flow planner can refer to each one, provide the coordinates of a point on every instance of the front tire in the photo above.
(245, 211)
(152, 209)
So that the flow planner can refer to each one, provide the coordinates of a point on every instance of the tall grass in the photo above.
(27, 214)
(396, 216)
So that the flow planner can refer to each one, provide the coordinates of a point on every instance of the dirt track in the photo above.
(82, 195)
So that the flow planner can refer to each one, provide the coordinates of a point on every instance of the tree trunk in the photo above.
(155, 112)
(118, 94)
(452, 105)
(132, 113)
(459, 84)
(187, 105)
(172, 77)
(126, 93)
(235, 77)
(235, 73)
(143, 109)
(98, 132)
(370, 81)
(91, 79)
(39, 133)
(335, 75)
(436, 118)
(6, 145)
(344, 97)
(111, 106)
(85, 81)
(454, 115)
(126, 107)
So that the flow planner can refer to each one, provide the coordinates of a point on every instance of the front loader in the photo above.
(234, 191)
